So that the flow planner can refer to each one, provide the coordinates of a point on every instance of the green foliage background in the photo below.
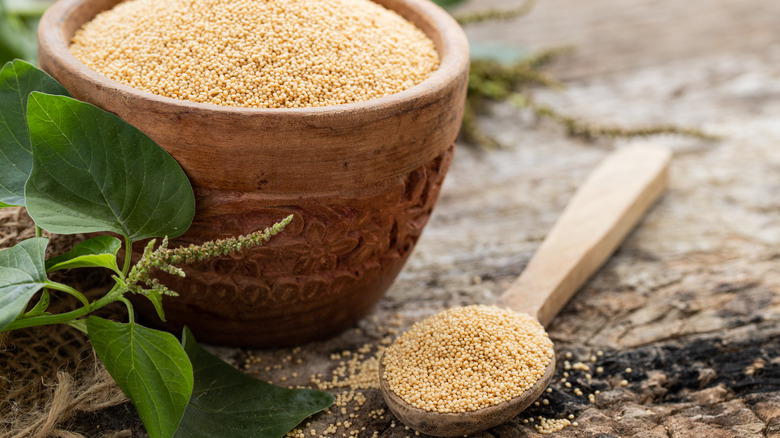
(18, 26)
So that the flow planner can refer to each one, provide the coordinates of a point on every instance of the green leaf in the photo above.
(92, 171)
(41, 306)
(17, 80)
(22, 274)
(227, 403)
(97, 252)
(445, 3)
(155, 296)
(17, 36)
(4, 205)
(151, 368)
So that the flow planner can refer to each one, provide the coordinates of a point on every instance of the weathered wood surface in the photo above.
(690, 301)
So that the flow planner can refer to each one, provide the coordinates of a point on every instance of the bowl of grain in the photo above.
(342, 113)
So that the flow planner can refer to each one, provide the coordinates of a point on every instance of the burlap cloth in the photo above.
(48, 374)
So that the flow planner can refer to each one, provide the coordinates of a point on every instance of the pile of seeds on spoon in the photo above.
(262, 54)
(467, 358)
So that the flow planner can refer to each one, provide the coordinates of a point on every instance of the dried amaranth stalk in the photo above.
(579, 128)
(490, 80)
(496, 14)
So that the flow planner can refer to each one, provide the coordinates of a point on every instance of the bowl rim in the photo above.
(453, 62)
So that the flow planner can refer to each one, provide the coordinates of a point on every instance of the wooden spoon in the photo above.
(605, 208)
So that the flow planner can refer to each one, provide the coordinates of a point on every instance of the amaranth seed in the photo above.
(262, 54)
(467, 358)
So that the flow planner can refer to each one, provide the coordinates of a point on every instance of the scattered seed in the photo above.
(581, 366)
(547, 426)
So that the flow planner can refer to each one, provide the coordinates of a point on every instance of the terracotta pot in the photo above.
(360, 179)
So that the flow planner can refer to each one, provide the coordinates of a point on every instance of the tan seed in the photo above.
(257, 54)
(467, 358)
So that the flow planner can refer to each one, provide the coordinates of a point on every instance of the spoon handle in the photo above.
(599, 216)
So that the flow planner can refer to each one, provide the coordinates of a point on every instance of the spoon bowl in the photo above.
(599, 216)
(456, 424)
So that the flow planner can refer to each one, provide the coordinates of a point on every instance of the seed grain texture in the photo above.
(257, 53)
(467, 358)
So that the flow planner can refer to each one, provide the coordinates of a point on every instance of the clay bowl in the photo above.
(360, 179)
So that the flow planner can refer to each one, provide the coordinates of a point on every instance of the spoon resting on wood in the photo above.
(599, 216)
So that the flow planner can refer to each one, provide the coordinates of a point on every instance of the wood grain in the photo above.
(599, 216)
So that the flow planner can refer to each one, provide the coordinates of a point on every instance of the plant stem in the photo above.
(128, 256)
(113, 295)
(496, 14)
(130, 313)
(38, 231)
(65, 288)
(46, 319)
(80, 325)
(579, 128)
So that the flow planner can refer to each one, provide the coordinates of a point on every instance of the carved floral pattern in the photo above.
(341, 247)
(322, 247)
